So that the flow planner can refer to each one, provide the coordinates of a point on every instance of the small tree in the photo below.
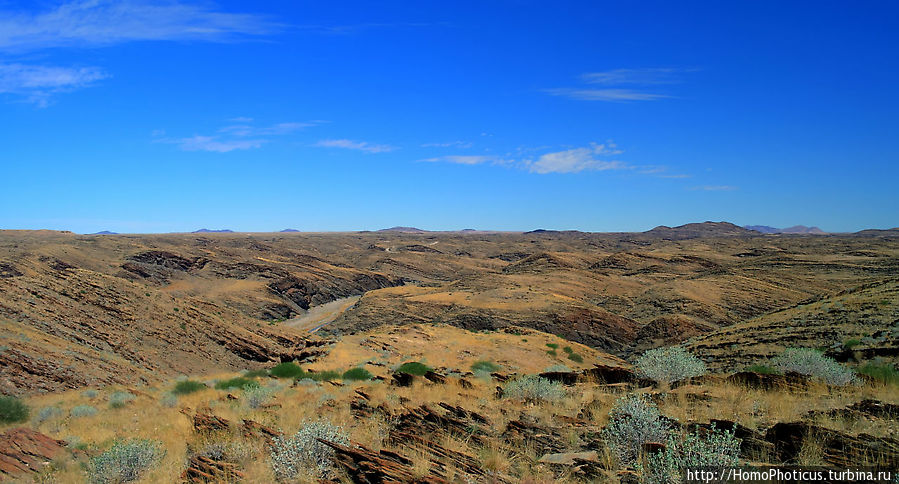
(633, 421)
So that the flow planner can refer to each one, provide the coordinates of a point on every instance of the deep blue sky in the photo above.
(140, 117)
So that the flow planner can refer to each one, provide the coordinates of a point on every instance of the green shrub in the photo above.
(715, 450)
(568, 350)
(764, 370)
(302, 451)
(532, 388)
(237, 382)
(187, 386)
(287, 369)
(83, 411)
(120, 399)
(12, 410)
(852, 343)
(413, 368)
(813, 363)
(553, 346)
(327, 375)
(357, 374)
(633, 421)
(552, 353)
(575, 357)
(484, 365)
(666, 365)
(125, 461)
(255, 373)
(882, 372)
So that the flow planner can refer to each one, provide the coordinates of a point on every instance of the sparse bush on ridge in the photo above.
(633, 421)
(357, 374)
(83, 411)
(533, 388)
(47, 413)
(125, 461)
(187, 386)
(715, 449)
(169, 400)
(326, 375)
(575, 357)
(90, 393)
(290, 456)
(813, 363)
(256, 397)
(666, 365)
(485, 365)
(413, 368)
(13, 410)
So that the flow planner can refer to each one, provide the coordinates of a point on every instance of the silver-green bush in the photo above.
(83, 411)
(807, 361)
(256, 397)
(668, 365)
(533, 388)
(125, 461)
(303, 452)
(120, 399)
(633, 421)
(715, 450)
(47, 413)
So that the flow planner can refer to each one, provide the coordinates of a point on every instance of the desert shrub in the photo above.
(575, 357)
(413, 368)
(533, 388)
(763, 369)
(292, 455)
(83, 411)
(552, 353)
(882, 372)
(90, 393)
(633, 421)
(557, 369)
(553, 346)
(666, 365)
(256, 397)
(287, 369)
(187, 386)
(807, 361)
(48, 413)
(357, 374)
(13, 410)
(568, 349)
(327, 375)
(169, 400)
(255, 373)
(125, 461)
(714, 450)
(120, 399)
(852, 343)
(485, 365)
(237, 382)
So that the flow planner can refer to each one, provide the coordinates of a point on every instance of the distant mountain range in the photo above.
(290, 230)
(405, 230)
(210, 231)
(796, 229)
(104, 232)
(697, 230)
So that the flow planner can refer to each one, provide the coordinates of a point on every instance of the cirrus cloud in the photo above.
(354, 145)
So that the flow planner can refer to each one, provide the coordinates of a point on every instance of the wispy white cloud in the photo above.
(209, 143)
(651, 75)
(354, 145)
(612, 95)
(468, 159)
(576, 160)
(234, 137)
(37, 83)
(621, 85)
(715, 188)
(449, 144)
(86, 23)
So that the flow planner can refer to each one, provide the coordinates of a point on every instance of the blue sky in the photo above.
(171, 116)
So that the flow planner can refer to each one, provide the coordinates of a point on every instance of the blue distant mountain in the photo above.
(104, 232)
(290, 230)
(796, 229)
(209, 231)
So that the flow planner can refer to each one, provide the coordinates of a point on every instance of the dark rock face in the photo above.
(169, 260)
(839, 449)
(8, 270)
